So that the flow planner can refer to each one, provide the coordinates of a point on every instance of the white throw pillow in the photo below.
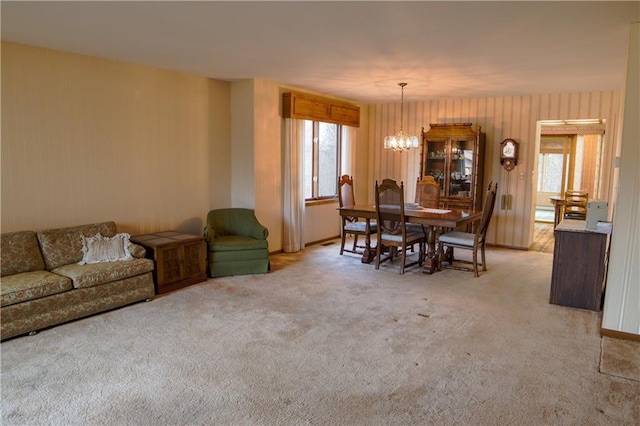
(98, 249)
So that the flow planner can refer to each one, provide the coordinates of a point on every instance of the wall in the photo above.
(219, 187)
(513, 117)
(622, 299)
(257, 161)
(87, 140)
(321, 220)
(90, 139)
(267, 163)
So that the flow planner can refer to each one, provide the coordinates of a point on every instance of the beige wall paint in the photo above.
(86, 140)
(500, 118)
(242, 144)
(219, 144)
(267, 164)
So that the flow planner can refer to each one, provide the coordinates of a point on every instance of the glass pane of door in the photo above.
(461, 167)
(435, 164)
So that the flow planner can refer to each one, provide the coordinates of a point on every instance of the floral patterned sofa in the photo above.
(44, 281)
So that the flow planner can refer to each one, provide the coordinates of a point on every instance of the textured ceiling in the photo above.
(354, 50)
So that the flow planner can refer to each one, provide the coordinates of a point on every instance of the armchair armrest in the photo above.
(256, 230)
(209, 233)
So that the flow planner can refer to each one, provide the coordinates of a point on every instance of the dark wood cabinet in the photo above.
(579, 266)
(180, 259)
(454, 155)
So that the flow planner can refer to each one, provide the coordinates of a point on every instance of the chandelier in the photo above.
(401, 141)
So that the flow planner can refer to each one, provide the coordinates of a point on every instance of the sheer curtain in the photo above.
(293, 235)
(348, 153)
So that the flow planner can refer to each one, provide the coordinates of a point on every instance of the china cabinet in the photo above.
(453, 154)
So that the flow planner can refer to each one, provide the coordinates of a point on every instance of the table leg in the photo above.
(431, 259)
(558, 207)
(369, 252)
(439, 254)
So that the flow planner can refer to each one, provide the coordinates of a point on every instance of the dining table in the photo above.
(436, 220)
(558, 207)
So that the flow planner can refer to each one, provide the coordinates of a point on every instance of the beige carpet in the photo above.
(326, 340)
(621, 358)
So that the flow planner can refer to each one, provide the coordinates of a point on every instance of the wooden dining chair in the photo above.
(473, 241)
(428, 192)
(575, 204)
(428, 196)
(351, 225)
(392, 231)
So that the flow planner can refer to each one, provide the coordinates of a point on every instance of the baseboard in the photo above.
(321, 241)
(507, 246)
(308, 244)
(619, 334)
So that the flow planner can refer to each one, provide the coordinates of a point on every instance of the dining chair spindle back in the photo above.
(575, 204)
(392, 231)
(351, 225)
(428, 192)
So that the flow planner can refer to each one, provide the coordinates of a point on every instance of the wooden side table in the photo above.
(180, 259)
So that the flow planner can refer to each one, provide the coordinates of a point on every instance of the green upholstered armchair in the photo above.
(237, 243)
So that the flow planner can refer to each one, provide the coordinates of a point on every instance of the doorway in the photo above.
(570, 157)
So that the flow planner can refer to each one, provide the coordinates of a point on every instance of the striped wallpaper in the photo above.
(513, 117)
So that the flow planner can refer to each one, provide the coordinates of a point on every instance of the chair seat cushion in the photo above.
(237, 242)
(415, 227)
(411, 236)
(460, 238)
(361, 226)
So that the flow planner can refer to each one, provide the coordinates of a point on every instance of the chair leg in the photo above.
(344, 234)
(403, 260)
(355, 242)
(378, 255)
(484, 260)
(475, 262)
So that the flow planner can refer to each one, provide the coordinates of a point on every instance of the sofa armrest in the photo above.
(137, 251)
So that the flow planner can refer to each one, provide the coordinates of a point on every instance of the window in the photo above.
(322, 143)
(570, 162)
(550, 166)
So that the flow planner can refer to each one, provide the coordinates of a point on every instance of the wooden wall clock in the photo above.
(509, 154)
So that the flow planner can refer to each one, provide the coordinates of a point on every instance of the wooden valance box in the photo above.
(317, 108)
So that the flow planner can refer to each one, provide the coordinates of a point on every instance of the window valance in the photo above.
(572, 127)
(311, 107)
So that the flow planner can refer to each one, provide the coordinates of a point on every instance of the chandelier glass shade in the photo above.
(401, 141)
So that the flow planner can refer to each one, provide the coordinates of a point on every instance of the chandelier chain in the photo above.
(401, 141)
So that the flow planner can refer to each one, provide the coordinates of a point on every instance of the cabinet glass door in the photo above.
(436, 162)
(461, 168)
